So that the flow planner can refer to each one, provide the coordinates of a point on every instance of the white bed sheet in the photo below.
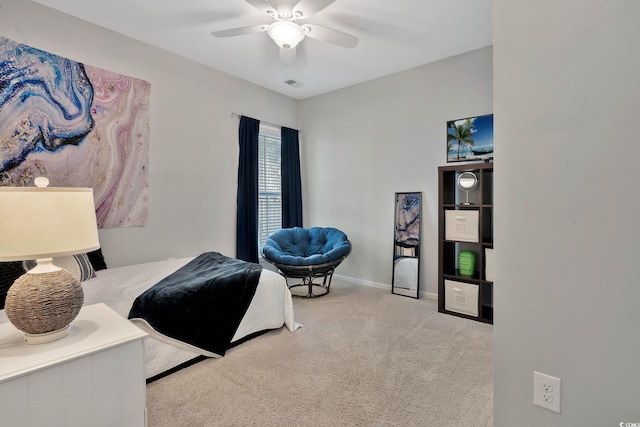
(270, 308)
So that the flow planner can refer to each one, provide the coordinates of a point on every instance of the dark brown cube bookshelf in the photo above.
(481, 200)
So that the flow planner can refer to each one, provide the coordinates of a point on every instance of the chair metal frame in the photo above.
(307, 273)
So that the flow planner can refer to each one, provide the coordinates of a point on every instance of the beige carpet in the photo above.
(363, 358)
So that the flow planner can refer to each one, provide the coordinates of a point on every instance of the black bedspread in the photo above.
(202, 303)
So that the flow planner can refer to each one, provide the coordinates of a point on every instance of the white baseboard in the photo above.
(426, 295)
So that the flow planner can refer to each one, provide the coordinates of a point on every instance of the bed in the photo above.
(270, 308)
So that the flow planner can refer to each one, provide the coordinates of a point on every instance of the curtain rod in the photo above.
(236, 115)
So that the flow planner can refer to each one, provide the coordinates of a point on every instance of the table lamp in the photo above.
(41, 223)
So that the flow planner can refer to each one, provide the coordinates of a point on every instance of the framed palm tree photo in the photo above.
(470, 139)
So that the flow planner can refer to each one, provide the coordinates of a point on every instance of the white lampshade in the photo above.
(46, 222)
(286, 34)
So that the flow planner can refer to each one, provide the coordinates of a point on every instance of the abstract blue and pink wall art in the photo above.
(79, 126)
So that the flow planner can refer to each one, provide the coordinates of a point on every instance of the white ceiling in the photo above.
(395, 35)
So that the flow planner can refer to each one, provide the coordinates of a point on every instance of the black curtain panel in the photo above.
(247, 202)
(291, 184)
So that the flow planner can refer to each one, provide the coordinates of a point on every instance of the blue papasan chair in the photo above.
(307, 254)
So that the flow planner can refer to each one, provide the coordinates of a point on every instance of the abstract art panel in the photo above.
(79, 126)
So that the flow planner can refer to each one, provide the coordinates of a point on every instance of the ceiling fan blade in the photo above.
(287, 56)
(241, 31)
(330, 35)
(263, 6)
(310, 7)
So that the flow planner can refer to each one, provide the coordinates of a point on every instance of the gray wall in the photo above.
(567, 101)
(193, 144)
(362, 144)
(359, 145)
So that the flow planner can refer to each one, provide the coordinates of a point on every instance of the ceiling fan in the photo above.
(286, 31)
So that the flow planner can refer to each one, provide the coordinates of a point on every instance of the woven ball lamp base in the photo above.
(42, 305)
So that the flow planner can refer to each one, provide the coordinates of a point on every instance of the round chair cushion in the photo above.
(306, 246)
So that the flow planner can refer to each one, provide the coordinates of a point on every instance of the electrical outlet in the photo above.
(546, 391)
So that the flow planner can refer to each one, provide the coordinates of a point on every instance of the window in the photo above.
(269, 183)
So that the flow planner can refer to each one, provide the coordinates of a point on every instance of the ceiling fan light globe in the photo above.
(286, 34)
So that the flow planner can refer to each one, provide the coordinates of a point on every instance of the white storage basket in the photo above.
(488, 269)
(461, 297)
(461, 225)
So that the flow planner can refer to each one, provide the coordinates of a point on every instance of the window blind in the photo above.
(269, 187)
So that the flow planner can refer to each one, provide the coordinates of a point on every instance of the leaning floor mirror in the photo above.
(406, 245)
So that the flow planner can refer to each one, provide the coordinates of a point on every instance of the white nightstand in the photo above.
(93, 377)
